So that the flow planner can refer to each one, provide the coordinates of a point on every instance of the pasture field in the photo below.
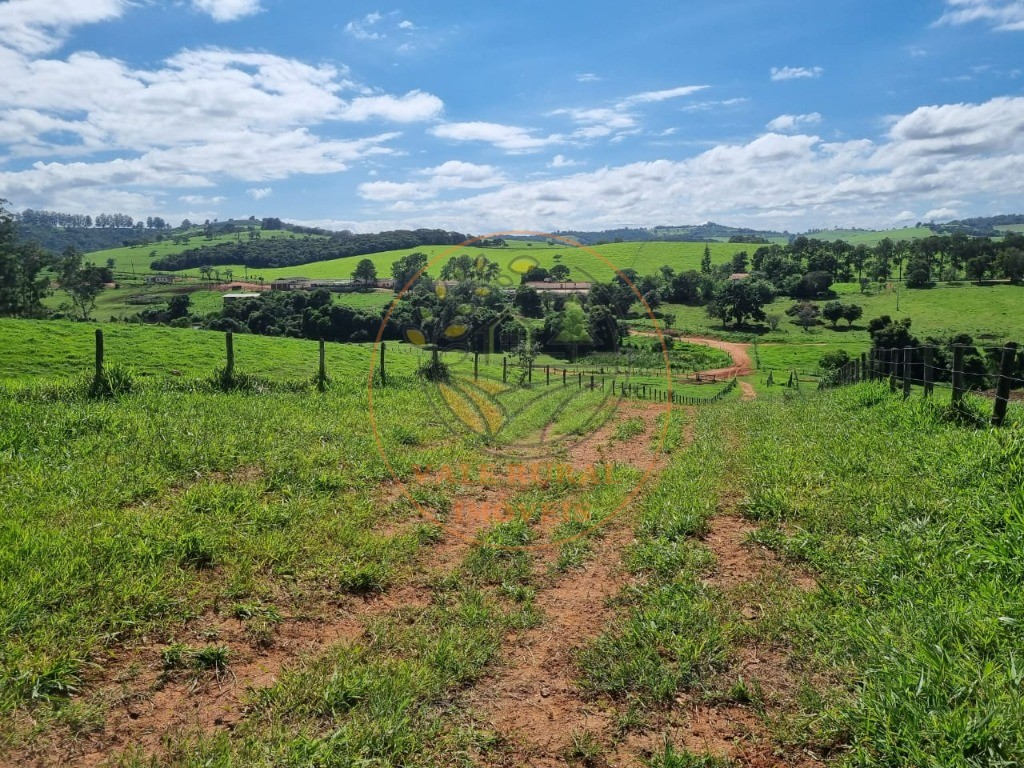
(643, 257)
(38, 351)
(872, 237)
(192, 577)
(136, 260)
(992, 314)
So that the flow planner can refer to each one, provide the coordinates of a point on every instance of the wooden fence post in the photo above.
(563, 377)
(504, 369)
(958, 374)
(864, 366)
(321, 375)
(383, 373)
(547, 375)
(99, 355)
(229, 340)
(926, 370)
(476, 366)
(1003, 386)
(908, 368)
(893, 353)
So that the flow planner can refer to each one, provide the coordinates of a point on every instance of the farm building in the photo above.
(158, 279)
(565, 289)
(230, 298)
(290, 284)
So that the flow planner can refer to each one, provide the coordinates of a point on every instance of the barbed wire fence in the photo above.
(956, 367)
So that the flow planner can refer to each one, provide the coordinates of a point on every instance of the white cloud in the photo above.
(649, 97)
(796, 73)
(1002, 15)
(201, 200)
(202, 116)
(41, 26)
(618, 121)
(366, 28)
(414, 106)
(228, 10)
(704, 106)
(789, 123)
(260, 193)
(406, 24)
(510, 138)
(781, 181)
(561, 161)
(588, 77)
(453, 174)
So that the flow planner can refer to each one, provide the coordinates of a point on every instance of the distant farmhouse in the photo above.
(231, 298)
(158, 279)
(561, 289)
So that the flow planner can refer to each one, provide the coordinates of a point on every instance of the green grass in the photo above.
(872, 237)
(645, 258)
(913, 524)
(137, 259)
(45, 350)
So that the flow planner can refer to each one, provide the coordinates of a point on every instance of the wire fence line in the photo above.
(957, 367)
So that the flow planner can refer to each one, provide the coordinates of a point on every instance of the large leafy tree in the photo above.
(365, 273)
(406, 269)
(743, 299)
(22, 287)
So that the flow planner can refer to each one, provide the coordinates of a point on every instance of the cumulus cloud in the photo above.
(1003, 15)
(775, 180)
(796, 73)
(201, 116)
(588, 77)
(202, 200)
(561, 161)
(510, 138)
(227, 10)
(789, 123)
(366, 28)
(406, 24)
(413, 107)
(260, 193)
(453, 174)
(41, 26)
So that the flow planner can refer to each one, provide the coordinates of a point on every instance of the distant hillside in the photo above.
(981, 226)
(261, 253)
(85, 239)
(685, 233)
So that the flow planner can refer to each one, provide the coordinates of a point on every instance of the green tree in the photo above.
(22, 288)
(742, 299)
(833, 312)
(705, 262)
(405, 270)
(527, 301)
(559, 273)
(83, 283)
(852, 312)
(365, 273)
(573, 328)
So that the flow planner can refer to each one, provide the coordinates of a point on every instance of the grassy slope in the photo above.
(585, 266)
(913, 526)
(40, 350)
(872, 237)
(138, 259)
(991, 314)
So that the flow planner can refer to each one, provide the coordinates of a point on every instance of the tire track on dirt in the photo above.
(531, 698)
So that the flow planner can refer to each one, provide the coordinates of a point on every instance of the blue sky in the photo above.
(528, 115)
